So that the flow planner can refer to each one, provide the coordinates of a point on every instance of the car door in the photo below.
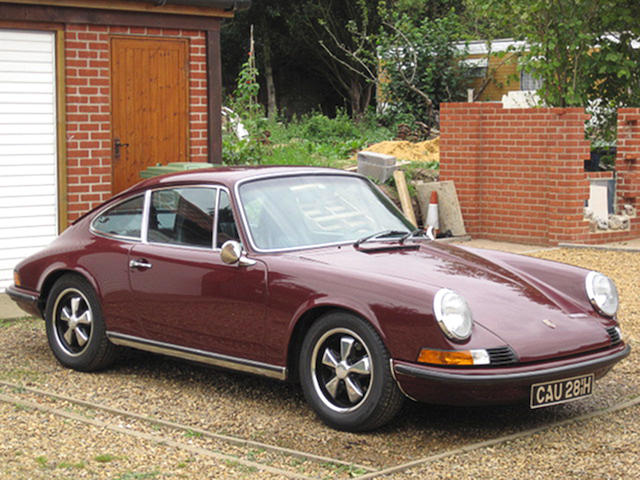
(185, 295)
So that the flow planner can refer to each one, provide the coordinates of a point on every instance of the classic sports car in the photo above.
(312, 274)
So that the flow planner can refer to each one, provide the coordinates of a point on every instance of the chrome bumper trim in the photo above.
(218, 360)
(467, 377)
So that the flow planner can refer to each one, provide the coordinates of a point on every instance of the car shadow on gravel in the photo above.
(272, 412)
(280, 414)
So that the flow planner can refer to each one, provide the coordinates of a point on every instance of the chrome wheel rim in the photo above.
(341, 370)
(72, 322)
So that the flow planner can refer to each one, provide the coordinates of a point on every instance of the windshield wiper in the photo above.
(409, 235)
(383, 233)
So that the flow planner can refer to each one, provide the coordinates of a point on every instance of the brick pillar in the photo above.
(461, 155)
(566, 178)
(628, 157)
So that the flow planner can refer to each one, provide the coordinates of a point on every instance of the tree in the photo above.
(338, 35)
(580, 49)
(272, 40)
(422, 63)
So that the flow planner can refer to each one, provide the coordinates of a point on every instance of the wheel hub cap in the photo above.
(342, 370)
(73, 321)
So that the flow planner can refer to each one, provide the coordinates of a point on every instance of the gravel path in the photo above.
(38, 444)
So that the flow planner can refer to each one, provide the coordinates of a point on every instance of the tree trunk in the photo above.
(360, 95)
(272, 106)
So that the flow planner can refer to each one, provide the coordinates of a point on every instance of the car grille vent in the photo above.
(502, 356)
(614, 335)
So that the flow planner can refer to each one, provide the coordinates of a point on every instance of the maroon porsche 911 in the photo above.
(313, 275)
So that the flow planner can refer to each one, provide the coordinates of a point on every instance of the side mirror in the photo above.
(231, 254)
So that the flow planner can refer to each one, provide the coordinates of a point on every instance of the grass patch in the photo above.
(136, 476)
(70, 466)
(192, 434)
(105, 458)
(313, 139)
(240, 467)
(42, 462)
(340, 469)
(23, 374)
(7, 322)
(254, 454)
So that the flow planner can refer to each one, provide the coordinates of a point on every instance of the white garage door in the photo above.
(28, 184)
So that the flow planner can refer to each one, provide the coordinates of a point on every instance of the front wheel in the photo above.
(75, 328)
(345, 374)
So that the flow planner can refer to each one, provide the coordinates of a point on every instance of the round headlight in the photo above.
(453, 314)
(602, 293)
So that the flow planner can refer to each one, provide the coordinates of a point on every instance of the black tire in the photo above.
(75, 327)
(345, 374)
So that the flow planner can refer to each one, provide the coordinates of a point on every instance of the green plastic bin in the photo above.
(173, 167)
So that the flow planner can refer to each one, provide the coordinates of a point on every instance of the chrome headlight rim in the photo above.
(594, 296)
(438, 310)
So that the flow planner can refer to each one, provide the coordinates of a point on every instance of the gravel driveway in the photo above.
(152, 417)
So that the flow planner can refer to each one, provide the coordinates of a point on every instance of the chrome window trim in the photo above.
(145, 218)
(211, 358)
(106, 208)
(216, 187)
(214, 240)
(245, 223)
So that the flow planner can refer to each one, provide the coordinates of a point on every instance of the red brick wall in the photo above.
(628, 156)
(88, 108)
(519, 173)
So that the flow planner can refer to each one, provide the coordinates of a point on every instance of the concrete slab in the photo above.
(376, 165)
(449, 212)
(8, 309)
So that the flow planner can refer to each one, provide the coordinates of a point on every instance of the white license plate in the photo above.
(561, 391)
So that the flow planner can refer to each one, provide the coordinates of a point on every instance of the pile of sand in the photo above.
(427, 151)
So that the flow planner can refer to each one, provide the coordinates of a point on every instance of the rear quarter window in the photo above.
(122, 220)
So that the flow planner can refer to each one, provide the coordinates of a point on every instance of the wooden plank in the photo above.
(405, 198)
(214, 96)
(19, 15)
(61, 131)
(126, 5)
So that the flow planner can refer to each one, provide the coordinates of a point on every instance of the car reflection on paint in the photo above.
(313, 275)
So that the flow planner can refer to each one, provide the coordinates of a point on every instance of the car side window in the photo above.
(182, 216)
(227, 229)
(123, 220)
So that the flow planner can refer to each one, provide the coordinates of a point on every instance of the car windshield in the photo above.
(309, 210)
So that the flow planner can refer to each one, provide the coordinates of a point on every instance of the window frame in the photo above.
(145, 220)
(106, 209)
(146, 210)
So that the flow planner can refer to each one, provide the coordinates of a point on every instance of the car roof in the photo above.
(229, 176)
(222, 175)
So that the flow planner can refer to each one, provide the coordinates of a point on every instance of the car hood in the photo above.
(536, 320)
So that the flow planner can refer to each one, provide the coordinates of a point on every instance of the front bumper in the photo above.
(472, 386)
(27, 300)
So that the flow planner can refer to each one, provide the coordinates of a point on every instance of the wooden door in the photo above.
(149, 105)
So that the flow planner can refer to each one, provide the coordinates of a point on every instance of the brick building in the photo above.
(91, 93)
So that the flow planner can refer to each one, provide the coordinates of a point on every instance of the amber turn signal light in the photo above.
(16, 279)
(454, 357)
(443, 357)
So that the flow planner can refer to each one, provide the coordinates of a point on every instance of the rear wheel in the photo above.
(75, 328)
(345, 374)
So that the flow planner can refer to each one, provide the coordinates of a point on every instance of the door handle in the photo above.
(140, 263)
(117, 146)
